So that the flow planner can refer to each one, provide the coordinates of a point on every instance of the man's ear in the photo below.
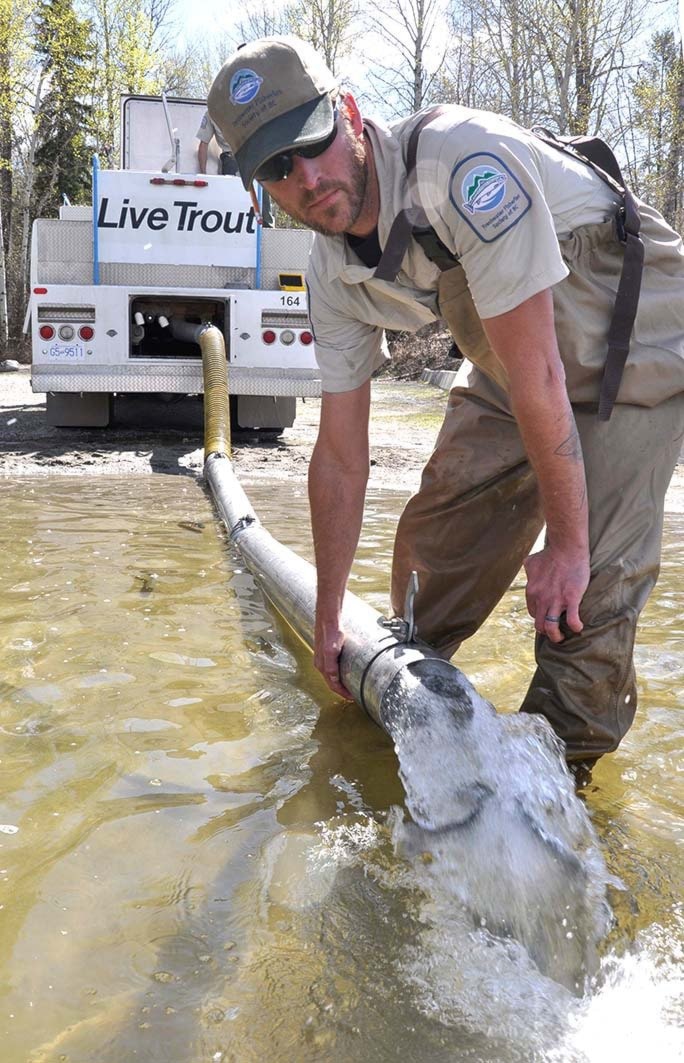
(350, 110)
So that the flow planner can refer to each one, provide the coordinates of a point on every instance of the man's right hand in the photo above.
(337, 483)
(329, 639)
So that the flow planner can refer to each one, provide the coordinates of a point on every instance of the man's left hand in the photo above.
(556, 582)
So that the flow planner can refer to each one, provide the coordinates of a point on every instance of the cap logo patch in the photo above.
(244, 86)
(488, 195)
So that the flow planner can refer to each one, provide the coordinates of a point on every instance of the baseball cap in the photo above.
(272, 95)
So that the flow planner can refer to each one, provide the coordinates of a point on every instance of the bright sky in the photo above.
(197, 20)
(218, 17)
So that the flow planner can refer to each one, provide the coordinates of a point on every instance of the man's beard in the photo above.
(354, 187)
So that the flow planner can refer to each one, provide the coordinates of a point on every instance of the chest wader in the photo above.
(477, 512)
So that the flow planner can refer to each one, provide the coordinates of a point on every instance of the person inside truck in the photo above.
(207, 131)
(205, 134)
(520, 245)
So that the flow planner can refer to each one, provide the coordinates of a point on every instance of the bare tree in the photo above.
(652, 127)
(26, 193)
(555, 61)
(129, 58)
(408, 80)
(4, 317)
(584, 45)
(328, 25)
(264, 20)
(16, 84)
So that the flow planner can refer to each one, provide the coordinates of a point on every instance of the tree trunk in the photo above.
(674, 162)
(27, 193)
(5, 146)
(4, 325)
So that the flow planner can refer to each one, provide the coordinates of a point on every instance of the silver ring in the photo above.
(552, 619)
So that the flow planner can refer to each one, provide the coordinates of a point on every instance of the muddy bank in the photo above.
(150, 434)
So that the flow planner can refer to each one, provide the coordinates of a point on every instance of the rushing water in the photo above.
(197, 856)
(495, 819)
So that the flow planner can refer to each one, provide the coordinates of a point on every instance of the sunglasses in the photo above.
(278, 167)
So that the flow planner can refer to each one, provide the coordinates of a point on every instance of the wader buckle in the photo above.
(620, 225)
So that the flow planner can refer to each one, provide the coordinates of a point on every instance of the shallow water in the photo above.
(195, 837)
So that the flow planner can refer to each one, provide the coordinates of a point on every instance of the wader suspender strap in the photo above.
(600, 158)
(403, 226)
(596, 154)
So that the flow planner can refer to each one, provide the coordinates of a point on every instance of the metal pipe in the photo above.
(96, 231)
(387, 672)
(259, 238)
(175, 142)
(372, 653)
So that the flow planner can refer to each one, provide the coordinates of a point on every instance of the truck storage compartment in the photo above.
(150, 329)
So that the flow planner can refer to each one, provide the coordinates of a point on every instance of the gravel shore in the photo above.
(153, 434)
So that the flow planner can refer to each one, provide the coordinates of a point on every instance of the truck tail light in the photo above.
(86, 332)
(287, 337)
(46, 332)
(268, 336)
(197, 183)
(306, 338)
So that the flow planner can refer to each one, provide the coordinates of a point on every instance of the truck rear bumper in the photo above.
(174, 378)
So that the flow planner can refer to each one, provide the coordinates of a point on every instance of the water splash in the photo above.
(636, 1010)
(498, 830)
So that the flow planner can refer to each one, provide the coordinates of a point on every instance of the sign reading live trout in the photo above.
(140, 220)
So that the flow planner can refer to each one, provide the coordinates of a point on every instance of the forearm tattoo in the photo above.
(570, 447)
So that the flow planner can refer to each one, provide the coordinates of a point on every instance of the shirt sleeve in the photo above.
(483, 191)
(205, 131)
(348, 351)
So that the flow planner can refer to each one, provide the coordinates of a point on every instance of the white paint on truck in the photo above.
(108, 282)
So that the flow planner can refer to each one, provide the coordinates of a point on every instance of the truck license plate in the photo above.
(66, 352)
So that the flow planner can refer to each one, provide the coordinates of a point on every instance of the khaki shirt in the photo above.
(207, 130)
(498, 198)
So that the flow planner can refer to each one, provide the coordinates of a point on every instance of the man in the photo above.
(205, 134)
(534, 264)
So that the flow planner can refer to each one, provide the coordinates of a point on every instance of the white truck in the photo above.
(162, 245)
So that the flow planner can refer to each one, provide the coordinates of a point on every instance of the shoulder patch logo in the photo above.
(244, 86)
(483, 188)
(487, 195)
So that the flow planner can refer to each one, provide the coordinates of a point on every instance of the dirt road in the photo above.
(149, 434)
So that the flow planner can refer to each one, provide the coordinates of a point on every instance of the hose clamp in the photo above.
(240, 525)
(405, 628)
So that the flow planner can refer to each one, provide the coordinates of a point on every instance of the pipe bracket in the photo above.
(240, 525)
(405, 628)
